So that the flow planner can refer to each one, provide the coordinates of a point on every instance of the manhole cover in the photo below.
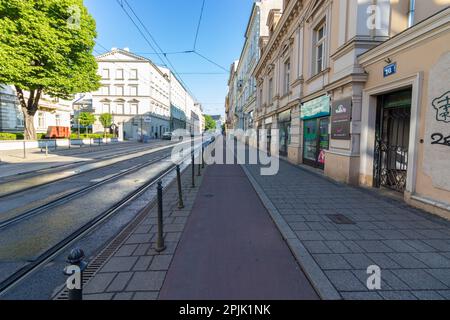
(340, 219)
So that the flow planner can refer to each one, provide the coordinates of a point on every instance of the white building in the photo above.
(135, 91)
(51, 112)
(144, 99)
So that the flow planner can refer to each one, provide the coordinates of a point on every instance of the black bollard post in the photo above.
(203, 156)
(180, 194)
(75, 270)
(160, 240)
(193, 170)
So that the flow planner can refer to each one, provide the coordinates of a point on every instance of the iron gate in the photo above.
(392, 145)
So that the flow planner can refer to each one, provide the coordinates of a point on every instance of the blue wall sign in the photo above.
(389, 70)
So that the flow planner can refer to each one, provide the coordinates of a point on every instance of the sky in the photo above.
(173, 24)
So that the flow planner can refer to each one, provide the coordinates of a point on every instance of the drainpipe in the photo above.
(411, 13)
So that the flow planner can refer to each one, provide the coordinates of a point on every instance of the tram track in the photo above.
(35, 264)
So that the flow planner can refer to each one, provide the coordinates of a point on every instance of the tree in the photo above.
(46, 47)
(210, 124)
(106, 121)
(86, 119)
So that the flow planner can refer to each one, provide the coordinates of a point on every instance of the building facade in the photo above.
(51, 112)
(338, 79)
(246, 82)
(136, 92)
(231, 99)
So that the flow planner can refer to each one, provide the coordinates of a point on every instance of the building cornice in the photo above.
(292, 10)
(429, 28)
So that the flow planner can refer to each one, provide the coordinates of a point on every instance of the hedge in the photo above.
(74, 136)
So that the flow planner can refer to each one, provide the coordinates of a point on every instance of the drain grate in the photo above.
(340, 219)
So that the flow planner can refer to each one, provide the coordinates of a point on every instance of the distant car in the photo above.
(167, 136)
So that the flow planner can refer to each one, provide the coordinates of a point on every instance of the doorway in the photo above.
(392, 140)
(316, 141)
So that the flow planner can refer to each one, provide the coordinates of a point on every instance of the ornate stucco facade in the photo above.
(325, 81)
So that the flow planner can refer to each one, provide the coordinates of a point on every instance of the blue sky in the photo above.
(173, 24)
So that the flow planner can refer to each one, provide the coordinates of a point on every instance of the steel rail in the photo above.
(20, 275)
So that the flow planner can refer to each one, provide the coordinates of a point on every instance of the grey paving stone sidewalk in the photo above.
(411, 247)
(136, 271)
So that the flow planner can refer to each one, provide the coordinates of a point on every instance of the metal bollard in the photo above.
(203, 156)
(24, 149)
(160, 240)
(180, 194)
(199, 173)
(193, 170)
(46, 149)
(74, 271)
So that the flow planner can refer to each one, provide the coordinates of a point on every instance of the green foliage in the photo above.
(86, 119)
(106, 120)
(18, 136)
(46, 47)
(74, 136)
(210, 124)
(8, 136)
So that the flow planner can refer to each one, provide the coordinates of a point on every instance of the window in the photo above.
(127, 109)
(113, 109)
(319, 47)
(104, 91)
(287, 76)
(105, 74)
(41, 120)
(133, 91)
(58, 120)
(134, 108)
(119, 74)
(105, 108)
(120, 108)
(119, 90)
(133, 74)
(270, 97)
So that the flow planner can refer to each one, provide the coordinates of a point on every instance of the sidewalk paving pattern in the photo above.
(135, 270)
(411, 247)
(231, 249)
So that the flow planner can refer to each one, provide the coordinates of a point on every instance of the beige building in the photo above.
(341, 82)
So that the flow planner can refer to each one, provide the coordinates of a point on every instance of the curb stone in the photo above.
(312, 270)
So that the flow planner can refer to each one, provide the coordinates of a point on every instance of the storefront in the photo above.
(405, 120)
(315, 115)
(284, 126)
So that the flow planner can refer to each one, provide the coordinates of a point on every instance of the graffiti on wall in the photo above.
(437, 126)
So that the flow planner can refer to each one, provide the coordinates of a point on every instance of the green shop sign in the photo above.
(316, 108)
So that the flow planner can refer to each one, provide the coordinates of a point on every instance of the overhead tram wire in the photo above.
(154, 40)
(198, 25)
(120, 2)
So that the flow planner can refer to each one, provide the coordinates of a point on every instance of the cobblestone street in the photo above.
(411, 247)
